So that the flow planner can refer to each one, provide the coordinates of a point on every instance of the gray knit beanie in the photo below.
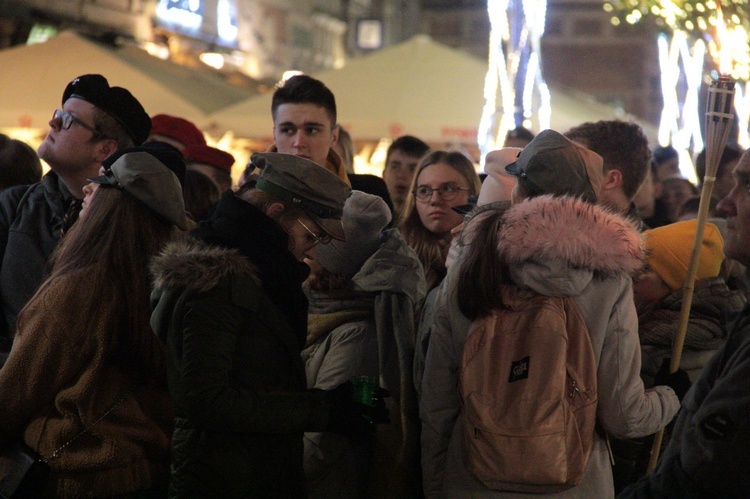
(364, 219)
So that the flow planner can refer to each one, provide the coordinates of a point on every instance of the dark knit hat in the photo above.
(179, 129)
(307, 185)
(117, 102)
(169, 155)
(141, 172)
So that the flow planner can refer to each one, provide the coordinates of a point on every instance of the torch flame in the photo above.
(722, 40)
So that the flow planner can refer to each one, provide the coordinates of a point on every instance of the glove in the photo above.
(678, 381)
(354, 419)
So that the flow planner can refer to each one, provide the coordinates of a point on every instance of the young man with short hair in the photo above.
(230, 306)
(626, 154)
(304, 122)
(401, 161)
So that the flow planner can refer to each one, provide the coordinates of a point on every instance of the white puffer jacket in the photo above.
(560, 247)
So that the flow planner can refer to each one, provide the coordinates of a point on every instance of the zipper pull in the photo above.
(574, 391)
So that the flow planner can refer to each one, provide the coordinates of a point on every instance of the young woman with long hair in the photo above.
(443, 180)
(553, 241)
(85, 381)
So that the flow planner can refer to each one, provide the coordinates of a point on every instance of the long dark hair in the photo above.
(113, 245)
(482, 271)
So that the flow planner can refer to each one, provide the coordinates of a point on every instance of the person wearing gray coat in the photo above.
(363, 295)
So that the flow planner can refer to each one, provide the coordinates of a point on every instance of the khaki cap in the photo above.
(148, 180)
(552, 164)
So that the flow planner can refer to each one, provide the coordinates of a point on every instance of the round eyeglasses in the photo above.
(448, 192)
(324, 239)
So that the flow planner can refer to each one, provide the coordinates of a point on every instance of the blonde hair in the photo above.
(431, 248)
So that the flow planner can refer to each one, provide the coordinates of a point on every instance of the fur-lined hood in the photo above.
(566, 229)
(557, 245)
(197, 266)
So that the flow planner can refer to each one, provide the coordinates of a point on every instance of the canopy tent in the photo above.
(33, 78)
(418, 87)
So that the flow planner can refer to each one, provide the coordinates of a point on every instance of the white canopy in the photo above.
(33, 78)
(418, 87)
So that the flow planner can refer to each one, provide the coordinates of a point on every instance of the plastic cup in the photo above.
(364, 389)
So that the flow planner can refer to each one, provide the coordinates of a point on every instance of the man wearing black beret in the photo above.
(95, 120)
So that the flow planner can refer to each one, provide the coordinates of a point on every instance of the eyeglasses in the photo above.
(446, 192)
(67, 119)
(325, 239)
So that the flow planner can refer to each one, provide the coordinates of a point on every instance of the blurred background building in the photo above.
(262, 39)
(214, 56)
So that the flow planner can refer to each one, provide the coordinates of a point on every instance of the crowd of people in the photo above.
(168, 331)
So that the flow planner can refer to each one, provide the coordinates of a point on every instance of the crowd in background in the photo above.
(167, 331)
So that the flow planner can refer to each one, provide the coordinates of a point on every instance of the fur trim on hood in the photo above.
(197, 266)
(573, 232)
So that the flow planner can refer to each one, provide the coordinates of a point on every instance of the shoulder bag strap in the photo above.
(57, 452)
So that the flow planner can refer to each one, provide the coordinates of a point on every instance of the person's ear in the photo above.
(104, 149)
(335, 134)
(612, 180)
(275, 210)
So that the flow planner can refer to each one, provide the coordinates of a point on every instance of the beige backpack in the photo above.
(528, 392)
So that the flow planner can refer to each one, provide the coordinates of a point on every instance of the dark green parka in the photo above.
(228, 311)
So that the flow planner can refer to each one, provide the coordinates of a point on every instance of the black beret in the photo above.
(168, 155)
(115, 101)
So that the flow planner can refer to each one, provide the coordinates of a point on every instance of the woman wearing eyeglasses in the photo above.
(442, 181)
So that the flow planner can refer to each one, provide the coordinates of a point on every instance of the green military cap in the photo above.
(311, 187)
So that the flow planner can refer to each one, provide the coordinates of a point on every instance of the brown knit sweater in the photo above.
(57, 380)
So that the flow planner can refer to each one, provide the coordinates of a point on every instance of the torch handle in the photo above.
(687, 300)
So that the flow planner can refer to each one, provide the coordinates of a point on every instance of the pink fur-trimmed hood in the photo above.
(569, 232)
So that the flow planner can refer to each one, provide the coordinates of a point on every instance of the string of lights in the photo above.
(514, 90)
(718, 28)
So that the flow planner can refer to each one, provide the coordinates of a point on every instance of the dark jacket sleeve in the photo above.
(212, 332)
(709, 454)
(669, 482)
(9, 200)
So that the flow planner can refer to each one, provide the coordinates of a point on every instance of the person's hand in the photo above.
(678, 381)
(354, 419)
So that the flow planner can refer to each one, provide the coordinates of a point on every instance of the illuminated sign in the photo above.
(369, 34)
(226, 15)
(186, 14)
